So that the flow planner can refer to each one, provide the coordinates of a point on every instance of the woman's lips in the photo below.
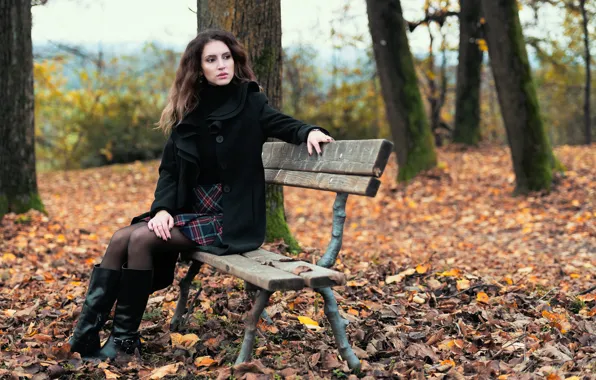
(222, 75)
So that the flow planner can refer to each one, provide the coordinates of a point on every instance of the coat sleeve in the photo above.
(167, 184)
(281, 126)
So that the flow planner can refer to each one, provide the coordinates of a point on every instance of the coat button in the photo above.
(226, 189)
(219, 139)
(223, 165)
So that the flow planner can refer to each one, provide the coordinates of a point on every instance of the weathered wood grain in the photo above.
(266, 277)
(350, 184)
(356, 157)
(314, 276)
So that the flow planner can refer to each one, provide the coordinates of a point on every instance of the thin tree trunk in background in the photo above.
(403, 102)
(257, 25)
(531, 152)
(18, 181)
(467, 98)
(588, 58)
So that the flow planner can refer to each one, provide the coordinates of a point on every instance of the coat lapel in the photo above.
(184, 138)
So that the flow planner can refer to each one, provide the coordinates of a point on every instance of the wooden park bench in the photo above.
(345, 167)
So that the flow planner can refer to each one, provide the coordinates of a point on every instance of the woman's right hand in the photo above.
(161, 224)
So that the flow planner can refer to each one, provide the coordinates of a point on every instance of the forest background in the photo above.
(96, 103)
(460, 267)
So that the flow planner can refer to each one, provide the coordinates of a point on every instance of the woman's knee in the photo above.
(121, 237)
(141, 239)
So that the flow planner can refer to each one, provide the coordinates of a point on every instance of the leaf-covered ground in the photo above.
(449, 277)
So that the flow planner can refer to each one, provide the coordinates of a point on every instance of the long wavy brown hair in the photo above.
(183, 95)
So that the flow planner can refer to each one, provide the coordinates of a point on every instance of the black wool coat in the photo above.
(241, 126)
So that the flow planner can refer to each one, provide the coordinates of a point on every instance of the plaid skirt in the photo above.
(205, 225)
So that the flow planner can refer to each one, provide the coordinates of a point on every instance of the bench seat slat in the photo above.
(342, 183)
(317, 277)
(266, 277)
(354, 157)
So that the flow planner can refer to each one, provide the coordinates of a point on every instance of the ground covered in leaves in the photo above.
(449, 277)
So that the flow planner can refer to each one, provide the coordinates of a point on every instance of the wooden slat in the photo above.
(355, 157)
(266, 277)
(350, 184)
(317, 277)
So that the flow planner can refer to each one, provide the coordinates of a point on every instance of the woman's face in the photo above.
(217, 63)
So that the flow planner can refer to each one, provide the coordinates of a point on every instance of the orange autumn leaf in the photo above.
(559, 321)
(422, 268)
(204, 361)
(587, 297)
(184, 341)
(482, 297)
(451, 273)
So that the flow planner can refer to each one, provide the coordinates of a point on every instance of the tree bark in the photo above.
(18, 182)
(403, 102)
(467, 98)
(257, 25)
(587, 117)
(531, 152)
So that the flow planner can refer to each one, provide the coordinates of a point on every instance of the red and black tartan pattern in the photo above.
(205, 226)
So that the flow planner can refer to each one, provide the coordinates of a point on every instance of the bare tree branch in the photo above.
(439, 17)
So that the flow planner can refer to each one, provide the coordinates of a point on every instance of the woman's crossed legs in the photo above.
(136, 245)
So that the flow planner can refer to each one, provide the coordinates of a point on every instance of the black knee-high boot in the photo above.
(101, 295)
(135, 287)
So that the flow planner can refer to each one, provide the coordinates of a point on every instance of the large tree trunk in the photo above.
(257, 25)
(403, 103)
(587, 57)
(531, 152)
(18, 183)
(467, 99)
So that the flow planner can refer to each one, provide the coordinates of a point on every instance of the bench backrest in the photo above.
(347, 166)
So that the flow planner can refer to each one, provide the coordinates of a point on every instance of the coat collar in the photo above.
(189, 126)
(228, 110)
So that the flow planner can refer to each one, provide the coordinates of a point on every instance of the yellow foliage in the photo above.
(482, 44)
(76, 123)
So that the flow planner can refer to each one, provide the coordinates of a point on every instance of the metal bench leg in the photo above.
(176, 322)
(252, 318)
(338, 325)
(251, 291)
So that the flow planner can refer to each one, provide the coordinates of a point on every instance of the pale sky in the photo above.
(172, 22)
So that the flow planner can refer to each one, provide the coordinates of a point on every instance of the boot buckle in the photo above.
(128, 345)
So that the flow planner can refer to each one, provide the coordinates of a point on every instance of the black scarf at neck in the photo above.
(212, 97)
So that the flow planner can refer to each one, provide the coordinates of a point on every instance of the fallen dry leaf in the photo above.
(482, 297)
(301, 269)
(184, 341)
(161, 372)
(204, 361)
(110, 374)
(308, 322)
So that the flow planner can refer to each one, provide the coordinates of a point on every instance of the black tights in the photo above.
(136, 245)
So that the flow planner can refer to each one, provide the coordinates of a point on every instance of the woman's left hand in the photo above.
(316, 137)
